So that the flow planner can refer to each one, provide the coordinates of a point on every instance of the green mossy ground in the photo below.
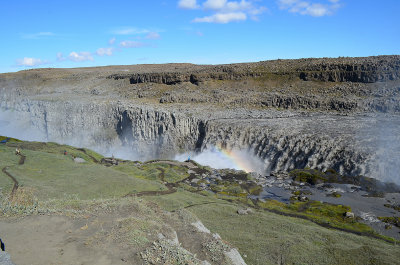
(51, 180)
(325, 214)
(9, 139)
(54, 175)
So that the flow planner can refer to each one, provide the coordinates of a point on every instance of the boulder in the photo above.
(79, 160)
(234, 257)
(5, 258)
(244, 211)
(349, 215)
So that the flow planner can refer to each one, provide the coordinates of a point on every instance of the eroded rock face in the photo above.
(363, 70)
(200, 110)
(284, 140)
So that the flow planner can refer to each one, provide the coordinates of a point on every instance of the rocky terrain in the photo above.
(338, 113)
(316, 125)
(68, 205)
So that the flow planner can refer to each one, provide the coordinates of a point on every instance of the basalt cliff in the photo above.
(339, 113)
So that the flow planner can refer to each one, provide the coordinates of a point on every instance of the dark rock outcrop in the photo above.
(363, 70)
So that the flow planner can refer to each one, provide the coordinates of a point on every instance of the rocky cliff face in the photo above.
(363, 70)
(283, 140)
(120, 111)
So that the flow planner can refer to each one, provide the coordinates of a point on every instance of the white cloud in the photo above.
(316, 10)
(222, 18)
(215, 4)
(132, 44)
(105, 51)
(129, 31)
(310, 8)
(152, 36)
(37, 35)
(225, 11)
(27, 61)
(188, 4)
(112, 41)
(81, 56)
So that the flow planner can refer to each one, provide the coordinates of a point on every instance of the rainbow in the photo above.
(235, 158)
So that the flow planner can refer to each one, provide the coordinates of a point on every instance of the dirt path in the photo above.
(92, 157)
(58, 240)
(103, 236)
(15, 187)
(189, 165)
(170, 186)
(16, 184)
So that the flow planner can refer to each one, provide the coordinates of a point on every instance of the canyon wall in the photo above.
(284, 142)
(118, 110)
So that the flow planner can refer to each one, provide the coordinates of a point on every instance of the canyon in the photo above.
(340, 113)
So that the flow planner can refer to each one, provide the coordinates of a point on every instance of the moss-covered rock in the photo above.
(310, 176)
(391, 220)
(334, 194)
(394, 207)
(375, 187)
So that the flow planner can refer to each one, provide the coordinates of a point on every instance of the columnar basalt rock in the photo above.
(284, 143)
(159, 111)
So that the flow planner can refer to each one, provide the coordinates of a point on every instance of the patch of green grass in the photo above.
(54, 148)
(268, 238)
(325, 214)
(234, 190)
(55, 175)
(130, 168)
(153, 171)
(175, 174)
(9, 139)
(254, 189)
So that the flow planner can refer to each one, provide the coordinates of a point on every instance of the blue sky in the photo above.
(93, 33)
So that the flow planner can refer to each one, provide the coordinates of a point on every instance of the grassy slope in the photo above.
(268, 238)
(53, 175)
(265, 238)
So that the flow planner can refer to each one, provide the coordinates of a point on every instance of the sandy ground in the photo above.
(103, 236)
(58, 240)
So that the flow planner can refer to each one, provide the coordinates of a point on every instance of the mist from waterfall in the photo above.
(16, 125)
(19, 125)
(236, 159)
(380, 134)
(385, 163)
